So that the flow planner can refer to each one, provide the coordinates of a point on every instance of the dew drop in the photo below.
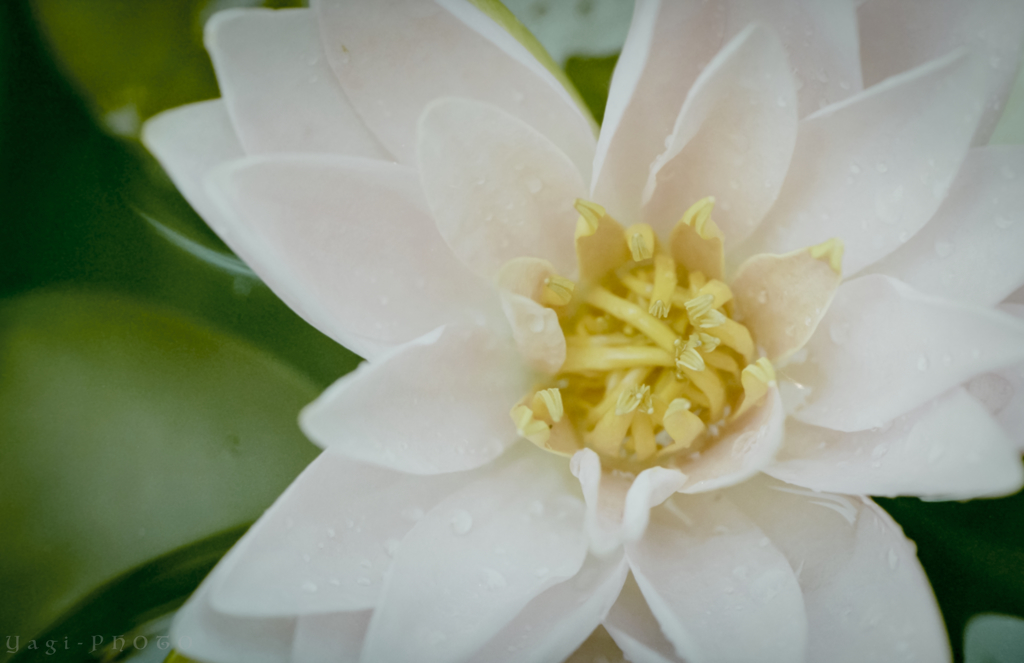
(762, 297)
(536, 508)
(1002, 222)
(855, 169)
(413, 513)
(537, 324)
(495, 580)
(882, 168)
(995, 61)
(1008, 173)
(534, 185)
(935, 453)
(363, 580)
(391, 546)
(541, 571)
(894, 559)
(839, 332)
(309, 587)
(943, 249)
(780, 102)
(879, 451)
(922, 363)
(461, 522)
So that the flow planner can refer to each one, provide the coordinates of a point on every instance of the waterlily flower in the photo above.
(640, 380)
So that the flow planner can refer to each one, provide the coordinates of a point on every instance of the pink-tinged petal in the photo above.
(1002, 392)
(348, 243)
(201, 632)
(671, 42)
(535, 327)
(556, 622)
(327, 542)
(190, 141)
(783, 298)
(884, 349)
(744, 450)
(476, 560)
(438, 404)
(635, 629)
(732, 140)
(717, 587)
(537, 333)
(897, 35)
(866, 596)
(618, 507)
(330, 637)
(950, 448)
(873, 169)
(393, 57)
(971, 250)
(498, 188)
(278, 88)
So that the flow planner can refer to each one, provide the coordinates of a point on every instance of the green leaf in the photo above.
(593, 78)
(127, 432)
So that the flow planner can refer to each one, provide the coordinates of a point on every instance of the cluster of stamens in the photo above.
(655, 363)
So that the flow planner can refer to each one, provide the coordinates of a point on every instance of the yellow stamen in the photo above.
(687, 355)
(831, 252)
(547, 404)
(682, 425)
(527, 426)
(735, 336)
(557, 291)
(756, 378)
(664, 285)
(610, 358)
(640, 238)
(633, 315)
(642, 429)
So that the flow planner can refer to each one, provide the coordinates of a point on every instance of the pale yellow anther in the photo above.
(638, 397)
(528, 426)
(640, 238)
(697, 217)
(757, 379)
(557, 291)
(590, 215)
(664, 285)
(831, 252)
(687, 355)
(701, 312)
(547, 404)
(708, 343)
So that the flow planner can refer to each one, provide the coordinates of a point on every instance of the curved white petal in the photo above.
(1002, 392)
(897, 35)
(873, 169)
(278, 88)
(190, 141)
(438, 404)
(866, 596)
(537, 332)
(201, 632)
(476, 560)
(498, 188)
(669, 44)
(742, 452)
(950, 448)
(971, 250)
(732, 140)
(618, 506)
(326, 543)
(635, 629)
(719, 590)
(393, 57)
(348, 243)
(330, 637)
(556, 622)
(883, 349)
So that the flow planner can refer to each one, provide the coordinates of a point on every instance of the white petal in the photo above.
(899, 34)
(498, 188)
(190, 141)
(437, 404)
(718, 593)
(326, 543)
(277, 85)
(668, 45)
(742, 452)
(476, 560)
(949, 448)
(732, 140)
(873, 169)
(971, 250)
(393, 57)
(867, 598)
(993, 639)
(1002, 392)
(635, 630)
(618, 507)
(537, 332)
(556, 622)
(201, 632)
(883, 349)
(348, 243)
(330, 637)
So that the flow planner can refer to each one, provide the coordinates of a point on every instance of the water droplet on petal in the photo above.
(461, 521)
(542, 571)
(309, 587)
(922, 363)
(881, 167)
(935, 453)
(943, 249)
(537, 324)
(839, 332)
(391, 546)
(894, 559)
(495, 580)
(534, 185)
(1002, 222)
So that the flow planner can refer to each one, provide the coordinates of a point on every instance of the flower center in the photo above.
(655, 362)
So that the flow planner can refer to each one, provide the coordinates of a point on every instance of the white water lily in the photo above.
(412, 181)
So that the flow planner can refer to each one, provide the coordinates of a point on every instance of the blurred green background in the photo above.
(149, 383)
